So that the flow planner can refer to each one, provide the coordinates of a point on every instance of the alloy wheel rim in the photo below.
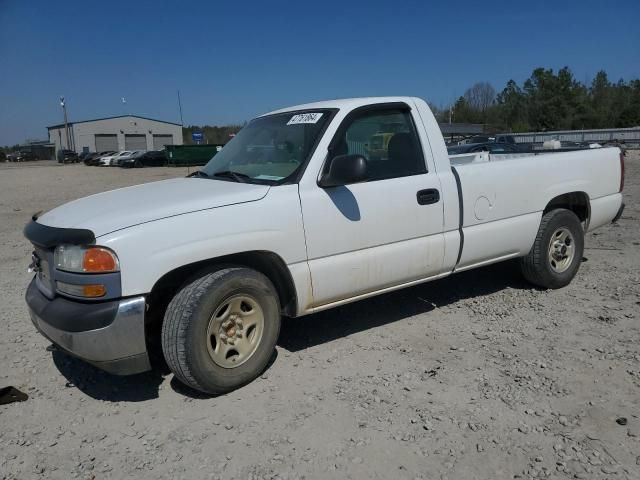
(561, 250)
(235, 330)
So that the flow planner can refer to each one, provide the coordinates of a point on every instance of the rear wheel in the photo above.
(220, 329)
(557, 250)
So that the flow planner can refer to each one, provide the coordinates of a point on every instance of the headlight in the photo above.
(73, 258)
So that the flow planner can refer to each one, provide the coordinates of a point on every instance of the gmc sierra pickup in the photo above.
(307, 208)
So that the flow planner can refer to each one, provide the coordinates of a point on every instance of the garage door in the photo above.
(135, 142)
(106, 143)
(159, 141)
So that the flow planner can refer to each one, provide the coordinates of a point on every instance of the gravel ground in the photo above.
(476, 376)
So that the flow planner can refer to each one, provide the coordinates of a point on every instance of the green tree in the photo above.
(626, 101)
(512, 108)
(602, 98)
(463, 112)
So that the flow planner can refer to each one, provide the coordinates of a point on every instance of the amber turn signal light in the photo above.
(97, 260)
(86, 291)
(93, 291)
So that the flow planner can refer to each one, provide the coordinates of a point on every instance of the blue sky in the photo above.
(232, 60)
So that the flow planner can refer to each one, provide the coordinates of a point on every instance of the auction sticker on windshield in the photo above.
(311, 117)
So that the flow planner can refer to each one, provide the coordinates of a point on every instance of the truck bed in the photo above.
(484, 157)
(504, 195)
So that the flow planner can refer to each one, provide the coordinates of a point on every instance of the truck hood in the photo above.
(117, 209)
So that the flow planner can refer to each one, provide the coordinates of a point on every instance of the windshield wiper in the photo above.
(198, 173)
(238, 177)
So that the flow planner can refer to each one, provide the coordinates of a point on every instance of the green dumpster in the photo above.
(190, 155)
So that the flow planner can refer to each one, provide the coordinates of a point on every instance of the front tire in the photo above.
(557, 250)
(220, 329)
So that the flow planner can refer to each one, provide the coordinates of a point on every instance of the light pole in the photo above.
(180, 107)
(66, 124)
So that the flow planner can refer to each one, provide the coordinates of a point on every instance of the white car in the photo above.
(307, 208)
(112, 160)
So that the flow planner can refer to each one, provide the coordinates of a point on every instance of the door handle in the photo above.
(428, 196)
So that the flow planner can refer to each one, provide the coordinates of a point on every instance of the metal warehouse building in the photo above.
(125, 132)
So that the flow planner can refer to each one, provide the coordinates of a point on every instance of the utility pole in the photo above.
(66, 123)
(450, 113)
(180, 107)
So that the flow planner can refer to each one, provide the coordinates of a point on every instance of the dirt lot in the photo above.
(477, 376)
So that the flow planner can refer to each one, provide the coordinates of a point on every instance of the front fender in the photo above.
(149, 251)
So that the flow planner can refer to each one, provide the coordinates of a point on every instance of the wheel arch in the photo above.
(268, 263)
(577, 202)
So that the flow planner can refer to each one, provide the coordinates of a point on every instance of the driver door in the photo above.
(384, 232)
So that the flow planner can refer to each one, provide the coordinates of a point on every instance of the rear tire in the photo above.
(220, 330)
(557, 251)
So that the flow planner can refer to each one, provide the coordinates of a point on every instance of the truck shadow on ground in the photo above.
(103, 386)
(100, 385)
(299, 334)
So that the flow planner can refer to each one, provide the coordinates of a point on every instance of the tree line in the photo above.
(549, 101)
(545, 101)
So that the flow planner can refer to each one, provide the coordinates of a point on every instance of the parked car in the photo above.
(133, 154)
(112, 160)
(500, 138)
(67, 156)
(205, 266)
(479, 139)
(94, 159)
(21, 156)
(492, 147)
(505, 139)
(152, 158)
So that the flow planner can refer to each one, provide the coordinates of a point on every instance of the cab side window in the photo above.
(388, 140)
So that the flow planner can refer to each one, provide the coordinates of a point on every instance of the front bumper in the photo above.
(108, 335)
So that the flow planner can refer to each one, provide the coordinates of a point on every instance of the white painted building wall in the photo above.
(83, 134)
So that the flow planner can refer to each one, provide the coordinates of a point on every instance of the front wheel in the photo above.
(557, 250)
(220, 329)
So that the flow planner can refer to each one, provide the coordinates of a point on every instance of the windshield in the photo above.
(269, 149)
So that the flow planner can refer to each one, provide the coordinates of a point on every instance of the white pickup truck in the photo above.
(307, 208)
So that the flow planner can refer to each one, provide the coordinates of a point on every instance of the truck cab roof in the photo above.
(342, 103)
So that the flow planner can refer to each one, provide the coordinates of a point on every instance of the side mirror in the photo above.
(344, 170)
